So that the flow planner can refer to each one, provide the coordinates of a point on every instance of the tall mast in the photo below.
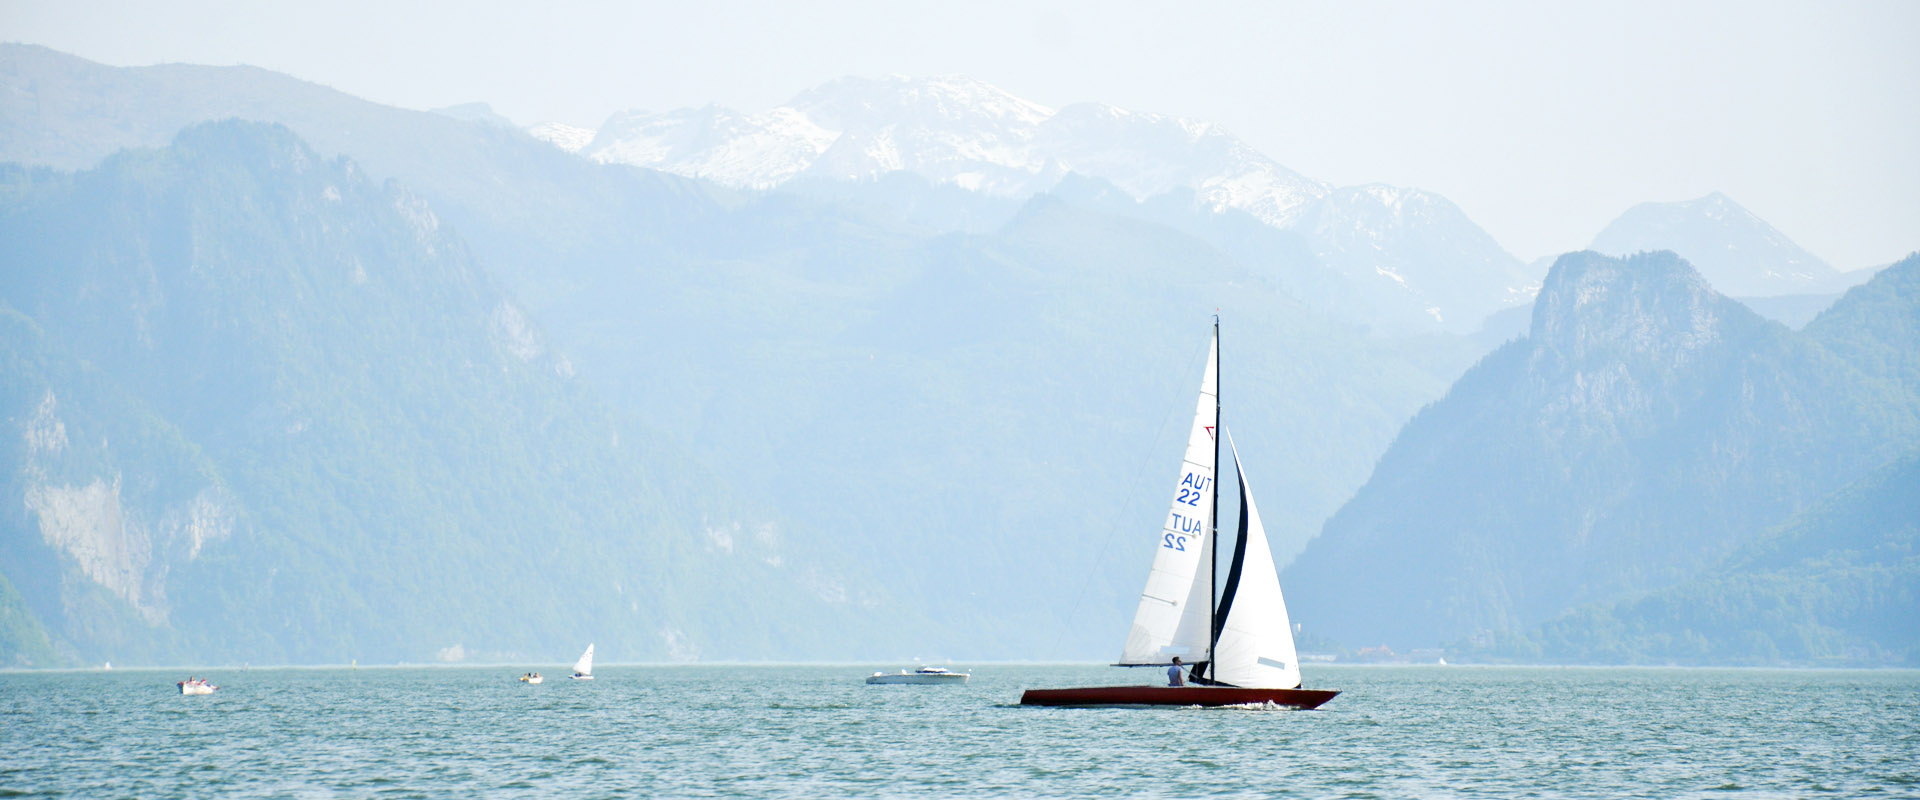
(1213, 516)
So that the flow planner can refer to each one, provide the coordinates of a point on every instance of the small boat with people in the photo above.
(921, 676)
(531, 678)
(196, 686)
(1237, 641)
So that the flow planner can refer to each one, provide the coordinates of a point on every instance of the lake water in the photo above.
(818, 731)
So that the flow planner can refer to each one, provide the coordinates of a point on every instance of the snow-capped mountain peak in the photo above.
(956, 130)
(566, 137)
(719, 144)
(868, 103)
(1394, 257)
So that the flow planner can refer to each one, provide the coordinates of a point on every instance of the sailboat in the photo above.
(1238, 643)
(583, 669)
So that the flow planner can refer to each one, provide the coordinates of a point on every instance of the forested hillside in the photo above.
(1838, 585)
(1645, 430)
(267, 410)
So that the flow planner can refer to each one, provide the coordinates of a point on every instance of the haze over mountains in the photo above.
(875, 375)
(961, 132)
(1737, 252)
(1645, 428)
(277, 412)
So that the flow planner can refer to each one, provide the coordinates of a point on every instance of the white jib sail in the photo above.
(1173, 618)
(585, 665)
(1255, 650)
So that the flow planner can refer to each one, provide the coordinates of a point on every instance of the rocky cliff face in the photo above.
(1644, 428)
(254, 402)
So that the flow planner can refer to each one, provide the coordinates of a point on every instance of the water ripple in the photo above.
(819, 731)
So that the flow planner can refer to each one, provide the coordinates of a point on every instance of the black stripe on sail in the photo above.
(1239, 555)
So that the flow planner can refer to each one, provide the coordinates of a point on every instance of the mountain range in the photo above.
(874, 375)
(1643, 431)
(955, 130)
(1420, 261)
(849, 371)
(265, 409)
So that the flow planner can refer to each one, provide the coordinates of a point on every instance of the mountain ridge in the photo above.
(1643, 429)
(1735, 250)
(1835, 585)
(911, 372)
(1444, 270)
(362, 400)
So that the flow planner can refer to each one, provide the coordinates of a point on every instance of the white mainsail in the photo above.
(585, 665)
(1174, 618)
(1255, 650)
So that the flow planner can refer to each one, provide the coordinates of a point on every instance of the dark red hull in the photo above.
(1175, 696)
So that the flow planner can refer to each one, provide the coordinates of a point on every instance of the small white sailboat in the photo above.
(1238, 642)
(583, 669)
(922, 676)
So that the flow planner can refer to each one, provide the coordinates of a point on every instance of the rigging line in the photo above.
(1213, 516)
(1120, 510)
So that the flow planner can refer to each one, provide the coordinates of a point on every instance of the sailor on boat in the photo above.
(583, 669)
(1173, 674)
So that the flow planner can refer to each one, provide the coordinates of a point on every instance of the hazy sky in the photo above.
(1543, 121)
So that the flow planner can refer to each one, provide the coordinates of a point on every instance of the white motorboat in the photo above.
(923, 675)
(532, 677)
(196, 686)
